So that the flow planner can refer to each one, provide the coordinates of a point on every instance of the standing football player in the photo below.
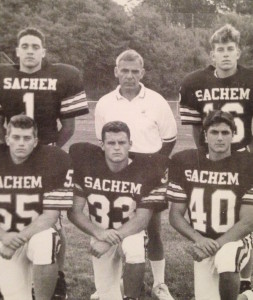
(47, 93)
(114, 186)
(32, 178)
(227, 86)
(216, 188)
(43, 91)
(153, 129)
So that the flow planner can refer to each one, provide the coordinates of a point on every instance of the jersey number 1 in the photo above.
(28, 99)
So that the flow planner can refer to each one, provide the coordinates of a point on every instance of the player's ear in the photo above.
(205, 136)
(116, 72)
(7, 140)
(102, 145)
(44, 52)
(17, 51)
(212, 56)
(130, 143)
(36, 140)
(238, 52)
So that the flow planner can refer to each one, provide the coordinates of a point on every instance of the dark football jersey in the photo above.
(202, 92)
(113, 197)
(213, 190)
(27, 189)
(55, 91)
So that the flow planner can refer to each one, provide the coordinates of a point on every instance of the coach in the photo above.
(153, 129)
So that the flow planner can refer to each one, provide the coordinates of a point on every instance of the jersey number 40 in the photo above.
(220, 219)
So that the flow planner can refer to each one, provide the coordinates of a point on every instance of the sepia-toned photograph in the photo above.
(126, 165)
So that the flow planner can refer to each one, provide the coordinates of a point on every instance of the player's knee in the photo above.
(238, 256)
(43, 247)
(133, 248)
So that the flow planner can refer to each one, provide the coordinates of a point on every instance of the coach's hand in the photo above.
(6, 252)
(13, 240)
(207, 245)
(99, 248)
(110, 236)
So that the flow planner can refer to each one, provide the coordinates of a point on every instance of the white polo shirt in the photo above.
(148, 116)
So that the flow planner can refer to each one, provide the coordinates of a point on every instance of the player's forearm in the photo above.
(178, 221)
(2, 134)
(64, 135)
(82, 222)
(237, 232)
(196, 131)
(138, 223)
(43, 222)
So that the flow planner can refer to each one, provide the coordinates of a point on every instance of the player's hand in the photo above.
(6, 252)
(110, 236)
(13, 240)
(98, 248)
(207, 245)
(196, 253)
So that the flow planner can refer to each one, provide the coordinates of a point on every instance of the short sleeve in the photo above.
(74, 102)
(189, 112)
(167, 123)
(175, 188)
(59, 191)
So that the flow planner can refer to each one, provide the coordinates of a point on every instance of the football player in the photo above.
(114, 186)
(226, 86)
(47, 93)
(216, 188)
(43, 91)
(32, 179)
(153, 129)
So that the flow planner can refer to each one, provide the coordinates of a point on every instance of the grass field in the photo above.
(78, 267)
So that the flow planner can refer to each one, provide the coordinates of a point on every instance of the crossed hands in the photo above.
(111, 236)
(104, 240)
(11, 241)
(203, 248)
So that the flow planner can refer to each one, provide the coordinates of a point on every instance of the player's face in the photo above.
(21, 143)
(129, 74)
(225, 56)
(219, 138)
(30, 53)
(116, 146)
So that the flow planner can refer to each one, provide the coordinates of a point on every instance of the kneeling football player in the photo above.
(216, 188)
(121, 194)
(31, 181)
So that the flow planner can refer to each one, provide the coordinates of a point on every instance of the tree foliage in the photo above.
(90, 34)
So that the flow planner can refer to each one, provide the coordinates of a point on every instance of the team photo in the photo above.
(126, 170)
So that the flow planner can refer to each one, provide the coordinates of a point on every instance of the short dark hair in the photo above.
(115, 126)
(225, 34)
(31, 31)
(24, 122)
(218, 116)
